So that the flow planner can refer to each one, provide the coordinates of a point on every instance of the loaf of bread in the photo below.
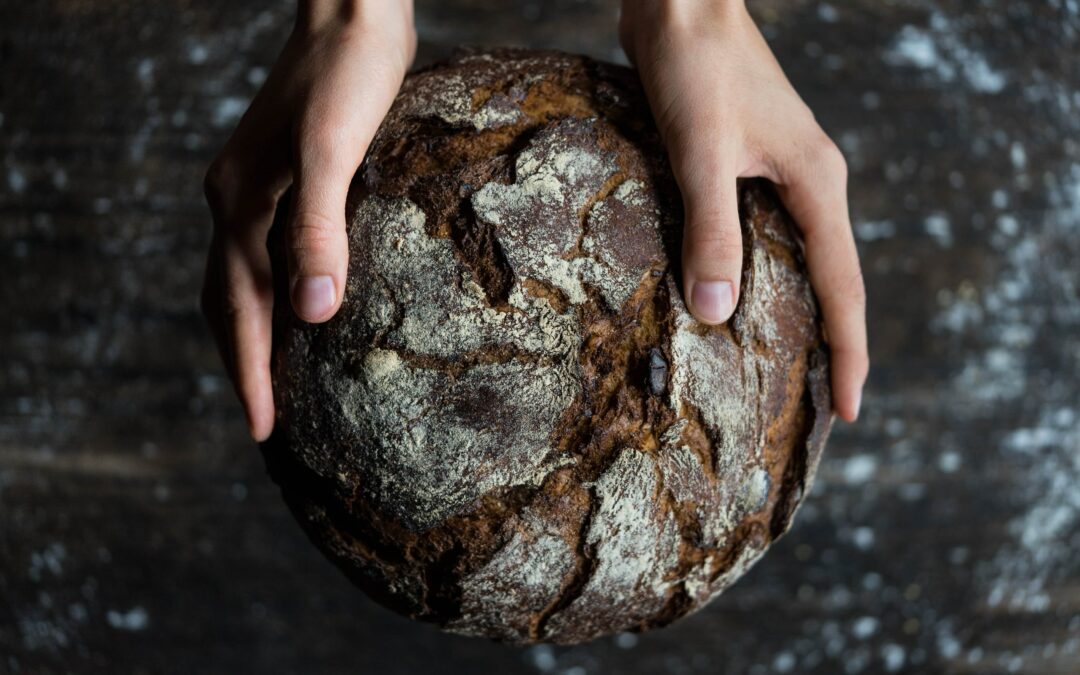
(513, 428)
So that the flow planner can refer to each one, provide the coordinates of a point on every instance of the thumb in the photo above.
(712, 236)
(326, 158)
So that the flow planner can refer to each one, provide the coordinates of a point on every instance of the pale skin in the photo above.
(721, 102)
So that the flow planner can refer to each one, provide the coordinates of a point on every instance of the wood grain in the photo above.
(139, 532)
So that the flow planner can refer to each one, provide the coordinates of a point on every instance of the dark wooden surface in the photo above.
(139, 532)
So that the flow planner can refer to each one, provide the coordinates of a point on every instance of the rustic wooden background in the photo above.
(139, 532)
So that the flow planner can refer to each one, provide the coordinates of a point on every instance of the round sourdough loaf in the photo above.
(513, 428)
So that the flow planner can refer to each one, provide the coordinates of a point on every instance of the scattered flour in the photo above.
(940, 50)
(627, 574)
(135, 619)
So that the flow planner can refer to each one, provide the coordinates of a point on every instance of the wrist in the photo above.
(313, 16)
(644, 24)
(654, 16)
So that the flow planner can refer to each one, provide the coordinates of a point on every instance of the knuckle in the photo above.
(716, 248)
(816, 161)
(856, 363)
(712, 240)
(856, 360)
(238, 192)
(846, 295)
(312, 234)
(824, 155)
(862, 366)
(855, 291)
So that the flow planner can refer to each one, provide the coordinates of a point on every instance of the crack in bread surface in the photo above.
(641, 490)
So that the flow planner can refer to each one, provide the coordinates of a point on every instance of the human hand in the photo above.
(726, 111)
(309, 126)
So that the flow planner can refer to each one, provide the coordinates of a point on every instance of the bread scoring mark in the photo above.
(451, 100)
(744, 560)
(634, 544)
(536, 217)
(539, 224)
(440, 311)
(518, 582)
(453, 97)
(623, 241)
(711, 374)
(617, 410)
(682, 471)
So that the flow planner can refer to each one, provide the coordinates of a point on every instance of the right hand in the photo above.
(727, 111)
(309, 127)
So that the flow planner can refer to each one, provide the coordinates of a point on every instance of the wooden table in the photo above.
(139, 532)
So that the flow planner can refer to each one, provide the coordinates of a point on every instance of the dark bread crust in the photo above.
(513, 428)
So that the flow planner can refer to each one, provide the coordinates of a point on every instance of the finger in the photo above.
(317, 249)
(249, 301)
(712, 237)
(238, 296)
(318, 246)
(329, 144)
(814, 189)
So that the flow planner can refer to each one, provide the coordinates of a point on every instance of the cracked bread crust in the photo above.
(513, 428)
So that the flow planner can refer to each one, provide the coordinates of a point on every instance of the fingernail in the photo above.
(858, 405)
(313, 297)
(712, 301)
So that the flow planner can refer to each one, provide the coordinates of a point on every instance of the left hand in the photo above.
(309, 126)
